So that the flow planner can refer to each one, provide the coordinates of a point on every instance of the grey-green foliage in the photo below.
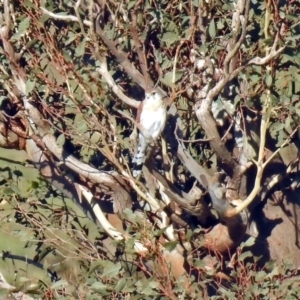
(39, 224)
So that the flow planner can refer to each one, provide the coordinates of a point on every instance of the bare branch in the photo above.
(78, 17)
(122, 59)
(234, 45)
(109, 229)
(64, 18)
(260, 166)
(254, 61)
(115, 88)
(203, 111)
(138, 46)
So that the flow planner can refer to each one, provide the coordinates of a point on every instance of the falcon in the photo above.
(151, 120)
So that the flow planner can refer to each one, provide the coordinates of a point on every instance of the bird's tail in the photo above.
(139, 156)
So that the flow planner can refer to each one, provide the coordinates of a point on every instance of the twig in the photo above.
(115, 88)
(64, 18)
(137, 44)
(236, 20)
(227, 132)
(206, 103)
(175, 61)
(78, 17)
(260, 166)
(189, 141)
(282, 146)
(122, 58)
(109, 229)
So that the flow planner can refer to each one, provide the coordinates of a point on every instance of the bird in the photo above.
(151, 121)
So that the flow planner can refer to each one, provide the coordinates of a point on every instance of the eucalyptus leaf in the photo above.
(169, 79)
(23, 26)
(212, 28)
(30, 85)
(170, 38)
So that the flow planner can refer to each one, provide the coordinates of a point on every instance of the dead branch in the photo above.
(115, 88)
(138, 48)
(238, 18)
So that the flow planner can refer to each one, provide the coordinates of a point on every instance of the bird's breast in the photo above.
(154, 121)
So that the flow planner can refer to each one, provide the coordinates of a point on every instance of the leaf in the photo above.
(130, 5)
(274, 272)
(166, 64)
(293, 38)
(170, 38)
(99, 287)
(269, 80)
(80, 50)
(220, 24)
(120, 285)
(24, 279)
(244, 255)
(95, 138)
(61, 140)
(23, 26)
(168, 79)
(2, 98)
(212, 28)
(260, 275)
(249, 243)
(80, 124)
(29, 4)
(30, 84)
(199, 263)
(109, 269)
(196, 3)
(59, 284)
(160, 232)
(170, 246)
(53, 74)
(71, 38)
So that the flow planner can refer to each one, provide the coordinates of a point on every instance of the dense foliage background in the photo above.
(215, 213)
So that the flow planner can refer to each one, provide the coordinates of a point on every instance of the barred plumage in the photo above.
(151, 118)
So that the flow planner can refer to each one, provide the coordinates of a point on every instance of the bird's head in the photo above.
(153, 96)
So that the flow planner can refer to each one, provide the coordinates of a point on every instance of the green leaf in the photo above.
(269, 80)
(29, 4)
(160, 232)
(30, 84)
(169, 79)
(130, 5)
(120, 285)
(95, 138)
(99, 287)
(212, 28)
(61, 140)
(71, 38)
(53, 74)
(260, 275)
(220, 24)
(23, 26)
(245, 255)
(293, 38)
(249, 243)
(274, 272)
(196, 3)
(199, 263)
(170, 38)
(110, 269)
(80, 50)
(170, 246)
(166, 63)
(2, 98)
